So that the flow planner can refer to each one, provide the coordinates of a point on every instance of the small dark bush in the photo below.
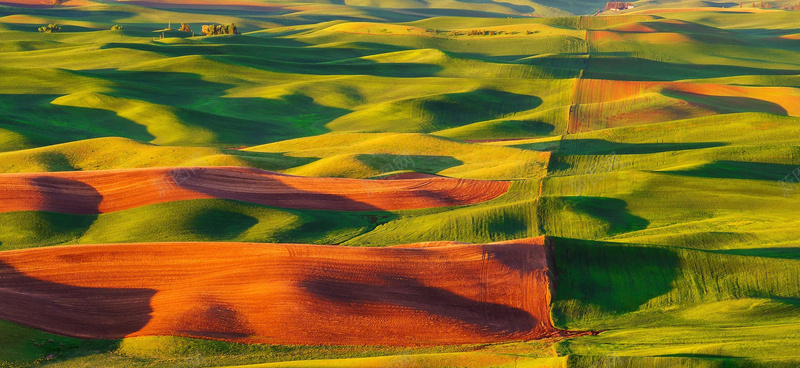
(50, 28)
(211, 30)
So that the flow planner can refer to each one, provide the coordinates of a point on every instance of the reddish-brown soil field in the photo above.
(633, 28)
(92, 192)
(600, 104)
(662, 38)
(433, 293)
(617, 19)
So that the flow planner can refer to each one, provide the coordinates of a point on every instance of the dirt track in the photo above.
(92, 192)
(435, 293)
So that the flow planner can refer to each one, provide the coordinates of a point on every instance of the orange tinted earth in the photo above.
(440, 293)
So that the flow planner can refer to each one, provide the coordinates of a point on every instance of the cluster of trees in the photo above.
(211, 30)
(184, 28)
(50, 28)
(482, 32)
(116, 27)
(764, 5)
(761, 5)
(479, 32)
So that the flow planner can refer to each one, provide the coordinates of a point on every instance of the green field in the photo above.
(673, 215)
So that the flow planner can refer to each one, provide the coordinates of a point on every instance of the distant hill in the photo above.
(419, 8)
(544, 8)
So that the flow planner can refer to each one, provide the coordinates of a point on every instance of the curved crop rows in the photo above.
(102, 191)
(284, 293)
(601, 104)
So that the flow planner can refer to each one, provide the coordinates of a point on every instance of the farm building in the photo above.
(618, 5)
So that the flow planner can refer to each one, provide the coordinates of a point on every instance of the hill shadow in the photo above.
(727, 104)
(518, 258)
(252, 186)
(738, 170)
(392, 15)
(561, 66)
(443, 12)
(33, 229)
(44, 123)
(386, 163)
(712, 357)
(612, 211)
(67, 195)
(220, 224)
(628, 67)
(356, 67)
(458, 109)
(289, 56)
(315, 18)
(513, 7)
(243, 185)
(534, 127)
(214, 319)
(272, 160)
(326, 227)
(19, 27)
(591, 146)
(409, 293)
(251, 121)
(61, 196)
(232, 120)
(689, 29)
(72, 310)
(509, 130)
(783, 43)
(776, 252)
(616, 278)
(767, 32)
(266, 51)
(56, 161)
(508, 225)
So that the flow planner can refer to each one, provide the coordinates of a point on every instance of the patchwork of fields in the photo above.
(399, 184)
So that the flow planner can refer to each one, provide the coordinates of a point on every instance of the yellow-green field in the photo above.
(657, 147)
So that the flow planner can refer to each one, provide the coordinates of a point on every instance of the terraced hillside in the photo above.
(399, 184)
